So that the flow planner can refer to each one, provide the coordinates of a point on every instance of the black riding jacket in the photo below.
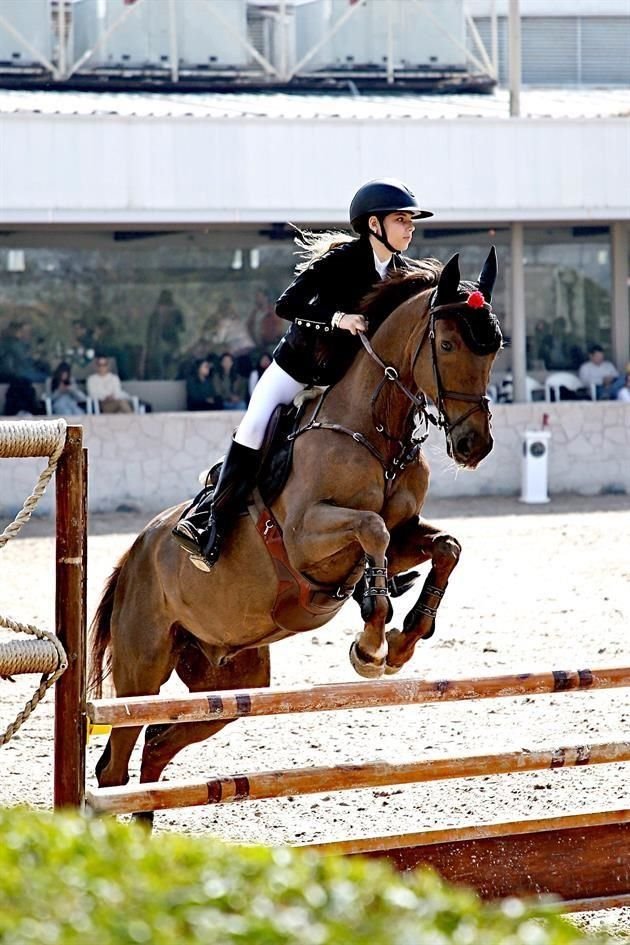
(312, 351)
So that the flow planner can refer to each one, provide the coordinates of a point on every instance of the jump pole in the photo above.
(581, 858)
(292, 782)
(234, 704)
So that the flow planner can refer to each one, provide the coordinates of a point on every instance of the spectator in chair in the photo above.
(67, 398)
(623, 393)
(105, 387)
(200, 390)
(597, 370)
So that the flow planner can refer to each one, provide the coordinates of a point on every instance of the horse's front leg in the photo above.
(323, 532)
(418, 542)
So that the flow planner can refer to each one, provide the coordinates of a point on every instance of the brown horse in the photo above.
(349, 514)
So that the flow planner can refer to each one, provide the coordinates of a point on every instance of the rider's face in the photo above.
(399, 229)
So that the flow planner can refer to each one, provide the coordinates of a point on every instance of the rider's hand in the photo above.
(353, 323)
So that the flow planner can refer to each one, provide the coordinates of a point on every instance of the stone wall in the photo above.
(152, 461)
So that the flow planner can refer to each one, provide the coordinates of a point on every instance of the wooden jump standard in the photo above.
(581, 858)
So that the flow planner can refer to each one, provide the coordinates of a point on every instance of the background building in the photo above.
(110, 199)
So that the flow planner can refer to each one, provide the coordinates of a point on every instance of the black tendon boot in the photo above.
(201, 529)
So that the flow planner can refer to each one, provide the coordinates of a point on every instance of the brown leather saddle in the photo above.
(299, 600)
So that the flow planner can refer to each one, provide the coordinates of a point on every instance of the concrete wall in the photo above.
(152, 461)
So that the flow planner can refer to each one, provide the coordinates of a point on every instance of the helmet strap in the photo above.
(382, 238)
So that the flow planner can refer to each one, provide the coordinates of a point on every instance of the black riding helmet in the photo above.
(380, 197)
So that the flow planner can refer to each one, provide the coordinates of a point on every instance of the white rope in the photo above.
(37, 438)
(47, 680)
(20, 439)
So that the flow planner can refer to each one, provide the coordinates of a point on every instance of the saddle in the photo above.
(276, 452)
(299, 600)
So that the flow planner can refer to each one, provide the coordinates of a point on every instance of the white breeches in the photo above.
(274, 387)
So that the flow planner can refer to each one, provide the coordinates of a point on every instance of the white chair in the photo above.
(534, 389)
(553, 383)
(95, 407)
(89, 405)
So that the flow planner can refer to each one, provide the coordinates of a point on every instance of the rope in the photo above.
(45, 654)
(39, 438)
(61, 664)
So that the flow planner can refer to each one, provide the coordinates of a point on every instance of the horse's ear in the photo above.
(488, 275)
(449, 281)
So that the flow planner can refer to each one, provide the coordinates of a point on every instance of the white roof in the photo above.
(535, 103)
(176, 160)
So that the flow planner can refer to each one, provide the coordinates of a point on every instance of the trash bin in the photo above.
(534, 467)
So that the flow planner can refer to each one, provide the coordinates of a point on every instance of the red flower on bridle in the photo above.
(475, 300)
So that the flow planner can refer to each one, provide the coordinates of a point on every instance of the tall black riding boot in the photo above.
(201, 529)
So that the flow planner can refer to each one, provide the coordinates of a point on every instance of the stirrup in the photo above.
(186, 536)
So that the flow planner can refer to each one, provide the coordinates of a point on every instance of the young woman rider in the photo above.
(322, 305)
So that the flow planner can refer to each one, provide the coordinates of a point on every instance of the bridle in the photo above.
(479, 401)
(413, 439)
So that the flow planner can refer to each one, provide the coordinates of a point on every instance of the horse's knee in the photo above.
(373, 534)
(446, 551)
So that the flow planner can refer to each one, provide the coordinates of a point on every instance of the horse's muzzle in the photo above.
(468, 449)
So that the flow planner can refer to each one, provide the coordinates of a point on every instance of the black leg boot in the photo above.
(238, 474)
(194, 522)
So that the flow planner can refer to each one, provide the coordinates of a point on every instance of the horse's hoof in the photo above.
(392, 670)
(394, 640)
(364, 665)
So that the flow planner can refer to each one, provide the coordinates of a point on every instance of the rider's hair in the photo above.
(312, 246)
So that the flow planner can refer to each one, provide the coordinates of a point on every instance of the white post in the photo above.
(390, 43)
(284, 40)
(172, 36)
(61, 34)
(494, 38)
(514, 26)
(620, 287)
(519, 329)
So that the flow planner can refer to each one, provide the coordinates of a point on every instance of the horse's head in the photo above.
(464, 337)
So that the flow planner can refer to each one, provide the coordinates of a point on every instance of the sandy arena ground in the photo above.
(537, 588)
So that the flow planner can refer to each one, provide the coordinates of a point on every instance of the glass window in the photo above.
(154, 302)
(567, 295)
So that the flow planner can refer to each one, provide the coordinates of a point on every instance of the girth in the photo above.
(298, 598)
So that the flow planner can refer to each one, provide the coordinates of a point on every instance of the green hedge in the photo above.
(67, 880)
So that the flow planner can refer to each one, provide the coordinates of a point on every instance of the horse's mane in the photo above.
(391, 293)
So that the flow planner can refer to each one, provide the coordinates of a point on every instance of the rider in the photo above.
(322, 304)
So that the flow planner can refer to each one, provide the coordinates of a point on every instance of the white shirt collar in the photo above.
(381, 267)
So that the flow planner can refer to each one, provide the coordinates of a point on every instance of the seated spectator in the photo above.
(261, 366)
(200, 391)
(21, 399)
(229, 385)
(600, 372)
(16, 359)
(624, 392)
(105, 387)
(67, 397)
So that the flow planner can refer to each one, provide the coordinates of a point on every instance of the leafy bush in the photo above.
(67, 880)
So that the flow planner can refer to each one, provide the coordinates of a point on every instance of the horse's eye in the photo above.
(446, 346)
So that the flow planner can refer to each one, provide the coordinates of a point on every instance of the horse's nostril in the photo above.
(464, 445)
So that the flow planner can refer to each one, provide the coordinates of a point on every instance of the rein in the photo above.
(411, 444)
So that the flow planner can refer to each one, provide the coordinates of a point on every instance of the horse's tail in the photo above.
(101, 633)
